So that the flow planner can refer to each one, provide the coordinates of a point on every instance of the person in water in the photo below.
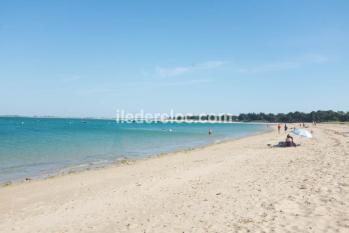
(209, 132)
(289, 141)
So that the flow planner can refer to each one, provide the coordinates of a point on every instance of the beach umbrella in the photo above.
(302, 133)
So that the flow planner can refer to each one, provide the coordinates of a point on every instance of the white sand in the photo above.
(237, 186)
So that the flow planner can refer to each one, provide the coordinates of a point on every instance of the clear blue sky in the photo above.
(89, 58)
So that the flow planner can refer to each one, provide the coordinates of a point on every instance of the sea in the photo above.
(39, 147)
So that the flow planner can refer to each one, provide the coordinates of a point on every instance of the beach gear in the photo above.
(302, 133)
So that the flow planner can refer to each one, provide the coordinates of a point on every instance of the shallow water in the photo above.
(32, 147)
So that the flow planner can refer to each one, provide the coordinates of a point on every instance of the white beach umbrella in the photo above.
(302, 132)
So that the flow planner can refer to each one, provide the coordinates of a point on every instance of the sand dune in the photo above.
(236, 186)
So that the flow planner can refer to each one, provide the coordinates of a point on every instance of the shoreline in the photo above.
(235, 186)
(121, 161)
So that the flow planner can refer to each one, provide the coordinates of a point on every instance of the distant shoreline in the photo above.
(291, 117)
(138, 120)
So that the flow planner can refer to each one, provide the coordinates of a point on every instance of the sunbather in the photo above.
(289, 141)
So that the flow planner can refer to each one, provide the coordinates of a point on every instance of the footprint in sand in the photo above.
(288, 206)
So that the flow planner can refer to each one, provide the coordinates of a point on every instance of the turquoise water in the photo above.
(33, 147)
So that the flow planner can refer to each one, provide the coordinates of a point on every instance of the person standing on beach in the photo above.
(286, 128)
(279, 128)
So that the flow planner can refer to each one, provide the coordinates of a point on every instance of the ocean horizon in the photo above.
(34, 147)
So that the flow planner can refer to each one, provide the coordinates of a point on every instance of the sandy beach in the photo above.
(235, 186)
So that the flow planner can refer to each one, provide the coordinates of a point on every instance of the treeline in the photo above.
(317, 116)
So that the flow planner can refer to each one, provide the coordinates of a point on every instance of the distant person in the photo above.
(289, 141)
(286, 128)
(279, 128)
(210, 132)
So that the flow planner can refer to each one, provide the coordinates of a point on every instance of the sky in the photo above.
(91, 58)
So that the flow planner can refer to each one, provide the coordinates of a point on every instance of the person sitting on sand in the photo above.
(289, 141)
